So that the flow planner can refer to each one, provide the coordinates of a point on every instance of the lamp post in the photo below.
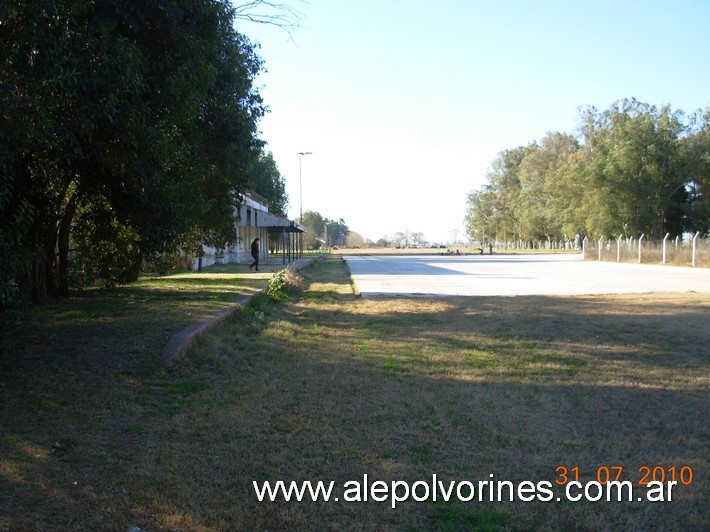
(300, 180)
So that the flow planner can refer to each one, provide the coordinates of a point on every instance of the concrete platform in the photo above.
(516, 275)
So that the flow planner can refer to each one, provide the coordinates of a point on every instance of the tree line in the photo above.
(632, 169)
(127, 130)
(324, 232)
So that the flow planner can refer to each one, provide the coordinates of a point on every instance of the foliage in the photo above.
(282, 282)
(336, 232)
(266, 180)
(408, 238)
(315, 227)
(323, 230)
(161, 263)
(15, 223)
(355, 240)
(143, 112)
(637, 169)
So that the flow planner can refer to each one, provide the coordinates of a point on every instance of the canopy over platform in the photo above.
(291, 242)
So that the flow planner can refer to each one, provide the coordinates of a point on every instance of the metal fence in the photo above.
(693, 250)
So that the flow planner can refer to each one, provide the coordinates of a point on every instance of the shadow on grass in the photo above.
(336, 387)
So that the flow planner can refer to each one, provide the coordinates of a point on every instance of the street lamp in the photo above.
(300, 180)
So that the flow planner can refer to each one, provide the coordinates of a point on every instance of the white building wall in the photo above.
(253, 215)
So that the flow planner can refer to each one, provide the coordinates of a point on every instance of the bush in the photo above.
(282, 282)
(161, 263)
(11, 299)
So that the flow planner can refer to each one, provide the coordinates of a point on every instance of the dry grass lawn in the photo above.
(330, 386)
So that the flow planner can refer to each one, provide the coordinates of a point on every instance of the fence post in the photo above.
(665, 239)
(584, 248)
(695, 238)
(640, 246)
(600, 247)
(618, 248)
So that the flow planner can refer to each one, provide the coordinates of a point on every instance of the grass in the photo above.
(331, 386)
(652, 253)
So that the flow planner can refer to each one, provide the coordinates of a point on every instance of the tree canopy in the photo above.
(634, 169)
(126, 129)
(323, 230)
(266, 180)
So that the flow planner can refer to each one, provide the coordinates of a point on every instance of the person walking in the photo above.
(255, 254)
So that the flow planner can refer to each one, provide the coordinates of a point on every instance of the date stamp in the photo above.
(642, 475)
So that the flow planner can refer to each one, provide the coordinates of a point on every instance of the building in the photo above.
(279, 237)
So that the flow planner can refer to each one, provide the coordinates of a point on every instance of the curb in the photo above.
(179, 342)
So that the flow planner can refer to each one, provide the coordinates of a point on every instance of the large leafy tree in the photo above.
(129, 125)
(636, 169)
(695, 154)
(540, 184)
(497, 208)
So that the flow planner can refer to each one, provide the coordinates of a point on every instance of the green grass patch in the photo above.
(330, 386)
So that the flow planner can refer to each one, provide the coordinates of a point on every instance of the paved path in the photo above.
(511, 275)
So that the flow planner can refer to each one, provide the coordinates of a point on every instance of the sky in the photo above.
(405, 104)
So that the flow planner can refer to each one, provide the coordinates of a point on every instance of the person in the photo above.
(255, 254)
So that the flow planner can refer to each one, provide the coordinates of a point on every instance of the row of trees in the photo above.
(634, 169)
(323, 231)
(408, 238)
(127, 130)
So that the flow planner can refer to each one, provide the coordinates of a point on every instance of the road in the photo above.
(511, 275)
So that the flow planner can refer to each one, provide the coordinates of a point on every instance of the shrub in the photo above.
(161, 263)
(282, 282)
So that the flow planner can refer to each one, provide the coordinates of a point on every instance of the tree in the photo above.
(695, 154)
(638, 169)
(354, 240)
(123, 118)
(320, 229)
(315, 228)
(540, 183)
(637, 180)
(480, 214)
(266, 180)
(336, 232)
(498, 209)
(276, 14)
(402, 238)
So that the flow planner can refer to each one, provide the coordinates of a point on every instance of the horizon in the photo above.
(401, 128)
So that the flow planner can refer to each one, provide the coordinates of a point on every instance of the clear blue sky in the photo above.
(406, 103)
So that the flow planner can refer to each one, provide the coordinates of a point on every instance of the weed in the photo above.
(283, 282)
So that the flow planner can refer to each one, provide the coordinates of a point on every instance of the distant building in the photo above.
(278, 236)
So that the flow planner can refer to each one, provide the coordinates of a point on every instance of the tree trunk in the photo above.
(63, 235)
